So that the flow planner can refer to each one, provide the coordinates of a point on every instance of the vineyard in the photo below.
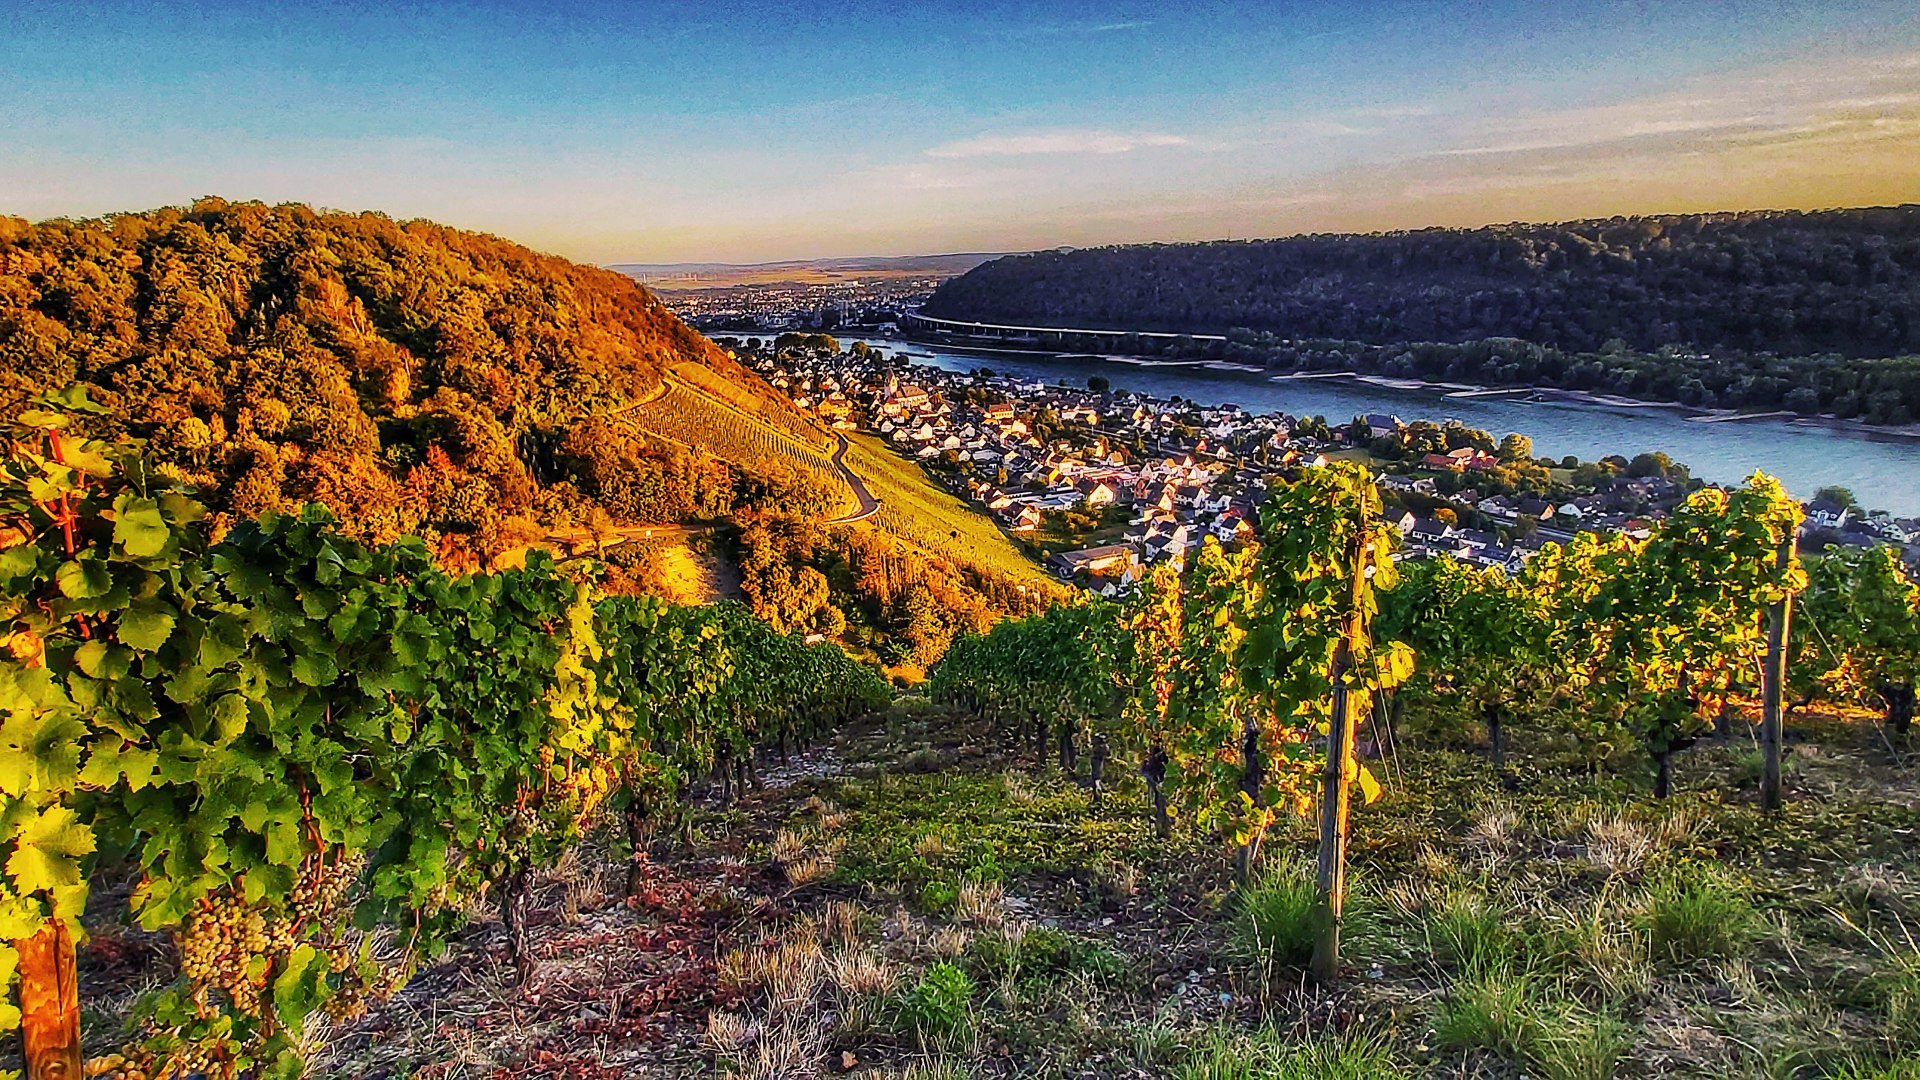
(1647, 808)
(695, 419)
(1554, 939)
(916, 511)
(748, 395)
(315, 758)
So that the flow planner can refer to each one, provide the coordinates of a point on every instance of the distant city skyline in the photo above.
(749, 132)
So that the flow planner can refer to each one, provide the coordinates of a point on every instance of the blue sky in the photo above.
(652, 131)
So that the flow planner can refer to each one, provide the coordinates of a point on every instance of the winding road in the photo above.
(869, 505)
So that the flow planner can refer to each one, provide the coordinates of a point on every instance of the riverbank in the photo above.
(1562, 395)
(1460, 391)
(1807, 454)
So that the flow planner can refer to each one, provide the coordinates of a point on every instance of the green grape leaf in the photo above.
(49, 848)
(301, 987)
(83, 579)
(39, 753)
(138, 526)
(110, 762)
(147, 625)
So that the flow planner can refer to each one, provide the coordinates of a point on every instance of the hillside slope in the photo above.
(1841, 281)
(416, 378)
(423, 380)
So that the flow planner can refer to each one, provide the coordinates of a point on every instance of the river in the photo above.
(1883, 470)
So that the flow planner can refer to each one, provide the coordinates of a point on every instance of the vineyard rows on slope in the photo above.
(914, 509)
(690, 416)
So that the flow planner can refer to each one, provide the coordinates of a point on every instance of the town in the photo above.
(1101, 485)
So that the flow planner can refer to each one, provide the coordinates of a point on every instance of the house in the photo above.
(1827, 514)
(1382, 423)
(1020, 518)
(1123, 585)
(1230, 527)
(1096, 492)
(1094, 560)
(1499, 506)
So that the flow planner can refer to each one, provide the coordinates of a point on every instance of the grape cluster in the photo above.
(221, 949)
(184, 1061)
(320, 893)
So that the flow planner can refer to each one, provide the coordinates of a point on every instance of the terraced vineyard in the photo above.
(695, 418)
(914, 509)
(756, 400)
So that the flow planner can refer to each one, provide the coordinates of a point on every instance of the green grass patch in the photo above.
(1045, 954)
(1266, 1055)
(1696, 914)
(1277, 918)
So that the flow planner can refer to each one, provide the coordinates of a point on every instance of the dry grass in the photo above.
(807, 870)
(841, 921)
(791, 1047)
(787, 968)
(862, 973)
(1617, 843)
(1498, 834)
(980, 903)
(1019, 791)
(788, 845)
(1117, 880)
(949, 942)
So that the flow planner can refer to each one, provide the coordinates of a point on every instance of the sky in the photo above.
(660, 131)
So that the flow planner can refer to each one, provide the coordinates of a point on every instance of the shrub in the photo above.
(1695, 915)
(939, 1006)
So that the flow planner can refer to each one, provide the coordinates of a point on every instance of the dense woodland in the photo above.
(412, 377)
(1816, 312)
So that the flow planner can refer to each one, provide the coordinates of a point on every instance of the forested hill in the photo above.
(411, 376)
(1840, 281)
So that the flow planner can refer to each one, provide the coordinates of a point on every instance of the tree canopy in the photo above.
(412, 377)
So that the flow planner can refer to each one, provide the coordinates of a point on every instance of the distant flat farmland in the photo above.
(692, 277)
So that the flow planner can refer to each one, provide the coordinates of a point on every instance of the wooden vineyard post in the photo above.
(1330, 880)
(50, 1005)
(1779, 620)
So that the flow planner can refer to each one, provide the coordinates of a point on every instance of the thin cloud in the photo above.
(1084, 29)
(1719, 109)
(1056, 142)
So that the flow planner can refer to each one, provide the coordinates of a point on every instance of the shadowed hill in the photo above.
(1840, 281)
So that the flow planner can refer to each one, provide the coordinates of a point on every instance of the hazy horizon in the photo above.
(762, 132)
